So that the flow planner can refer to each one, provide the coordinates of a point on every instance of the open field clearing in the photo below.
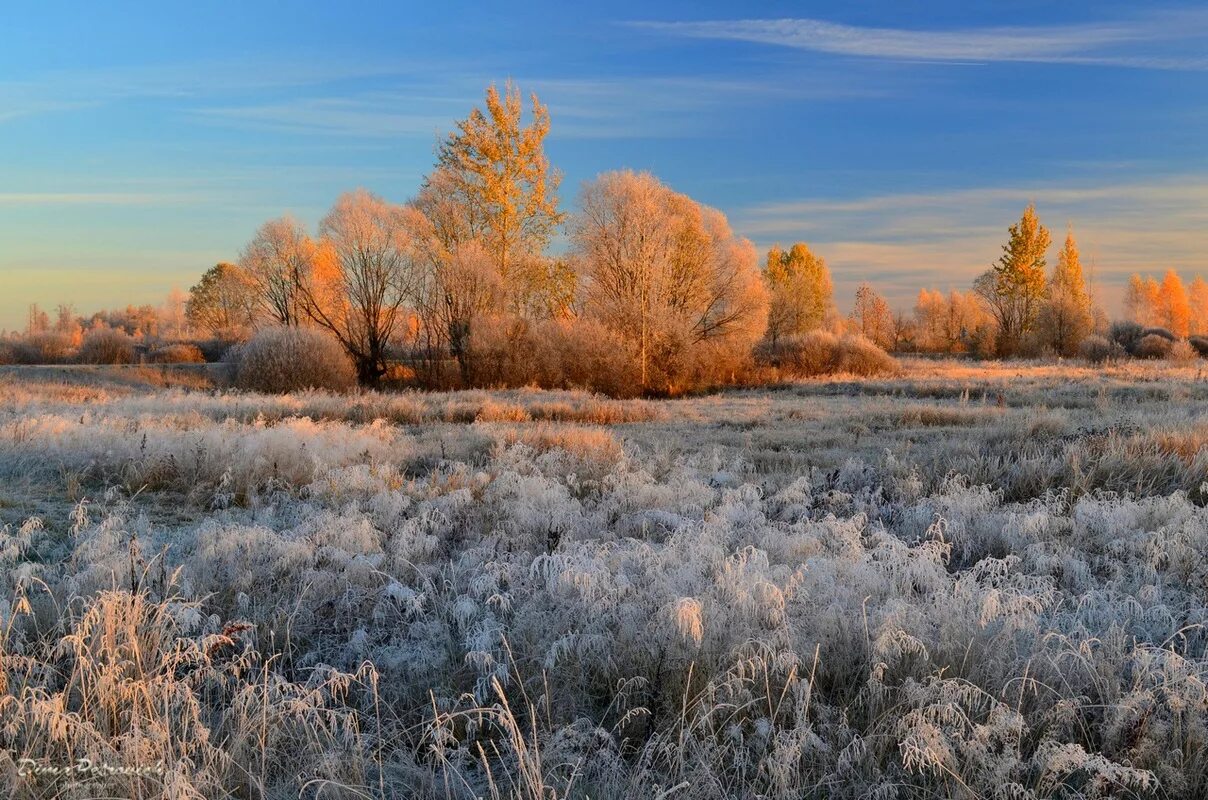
(966, 580)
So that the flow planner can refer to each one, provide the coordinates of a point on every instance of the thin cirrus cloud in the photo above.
(1150, 43)
(944, 239)
(597, 108)
(73, 89)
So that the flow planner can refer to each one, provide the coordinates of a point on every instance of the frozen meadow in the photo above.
(968, 580)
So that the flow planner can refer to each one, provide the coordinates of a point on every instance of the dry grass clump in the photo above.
(822, 353)
(1182, 352)
(291, 359)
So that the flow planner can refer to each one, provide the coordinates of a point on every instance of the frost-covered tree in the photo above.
(667, 274)
(365, 271)
(872, 317)
(277, 262)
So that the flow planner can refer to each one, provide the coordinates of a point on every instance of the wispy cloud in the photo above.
(66, 90)
(1143, 43)
(99, 198)
(902, 242)
(583, 108)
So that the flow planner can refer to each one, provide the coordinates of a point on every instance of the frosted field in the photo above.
(967, 581)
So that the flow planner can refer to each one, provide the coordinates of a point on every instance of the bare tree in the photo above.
(276, 262)
(362, 275)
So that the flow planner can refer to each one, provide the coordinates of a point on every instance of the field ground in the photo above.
(971, 580)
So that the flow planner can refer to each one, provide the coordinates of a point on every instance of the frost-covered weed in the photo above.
(561, 609)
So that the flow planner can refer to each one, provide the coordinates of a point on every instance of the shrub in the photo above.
(811, 353)
(8, 353)
(1098, 349)
(106, 346)
(558, 354)
(215, 349)
(177, 354)
(861, 356)
(1153, 346)
(1126, 334)
(282, 360)
(1162, 332)
(1182, 352)
(43, 348)
(822, 353)
(1200, 344)
(583, 354)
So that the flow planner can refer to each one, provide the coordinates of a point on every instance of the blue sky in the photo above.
(145, 141)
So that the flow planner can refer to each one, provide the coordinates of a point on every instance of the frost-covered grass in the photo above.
(967, 580)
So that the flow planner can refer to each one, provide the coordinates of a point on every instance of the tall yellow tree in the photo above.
(1197, 297)
(1067, 316)
(1014, 288)
(494, 169)
(1174, 306)
(802, 294)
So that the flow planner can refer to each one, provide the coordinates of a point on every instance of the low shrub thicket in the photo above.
(279, 360)
(1153, 345)
(106, 346)
(177, 354)
(822, 353)
(1098, 349)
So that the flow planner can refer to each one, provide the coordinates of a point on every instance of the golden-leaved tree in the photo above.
(1143, 300)
(1197, 297)
(1174, 307)
(1067, 316)
(801, 292)
(494, 174)
(1014, 288)
(491, 209)
(668, 276)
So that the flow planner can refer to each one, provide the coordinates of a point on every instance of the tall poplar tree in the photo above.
(1067, 317)
(1014, 288)
(495, 169)
(1174, 305)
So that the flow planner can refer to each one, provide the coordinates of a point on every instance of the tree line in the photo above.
(654, 294)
